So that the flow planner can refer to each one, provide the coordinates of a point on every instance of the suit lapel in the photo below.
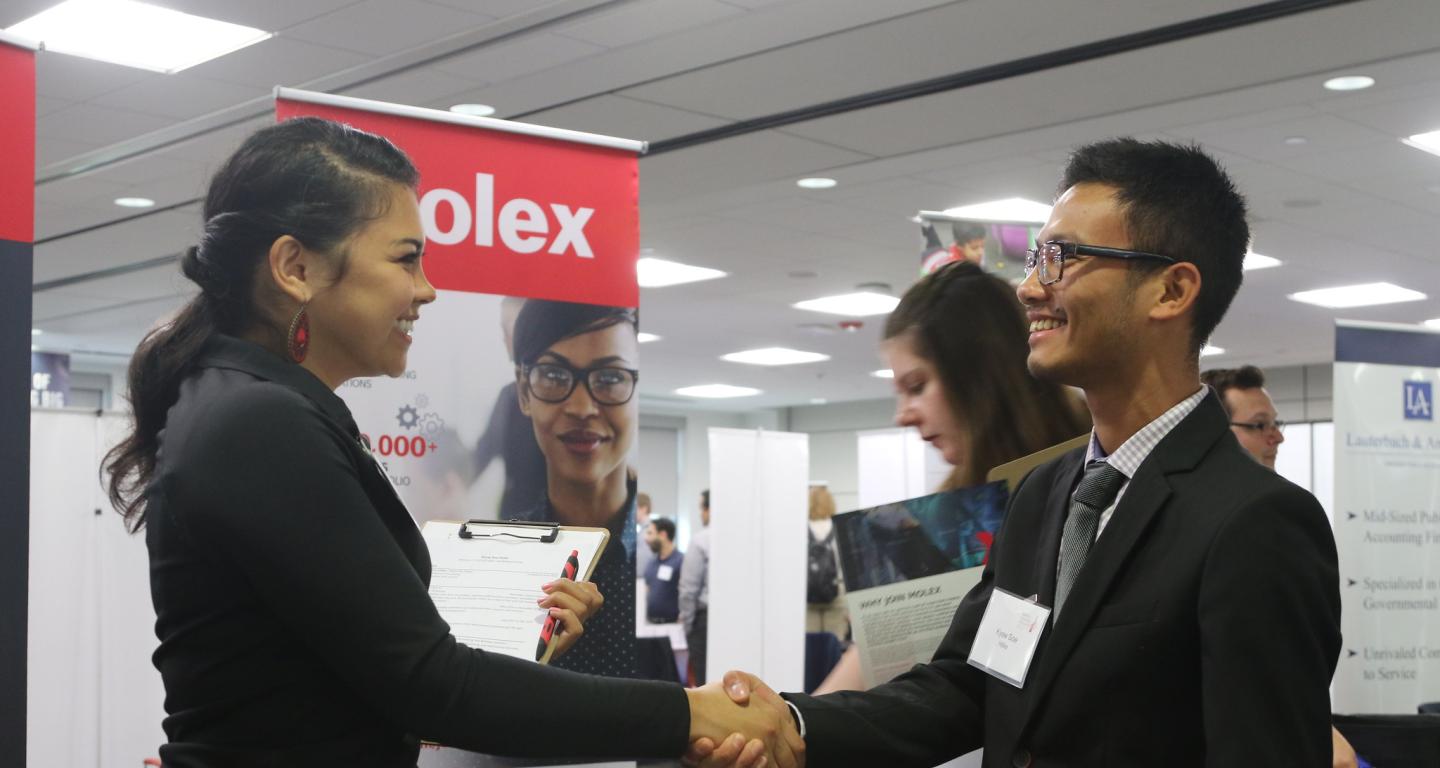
(1143, 499)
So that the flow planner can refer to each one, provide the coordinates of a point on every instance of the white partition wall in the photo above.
(94, 698)
(895, 464)
(758, 501)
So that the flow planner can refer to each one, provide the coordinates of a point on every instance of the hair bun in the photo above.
(192, 266)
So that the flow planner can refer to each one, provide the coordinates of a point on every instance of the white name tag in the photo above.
(664, 573)
(1008, 634)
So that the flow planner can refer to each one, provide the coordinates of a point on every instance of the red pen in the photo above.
(572, 567)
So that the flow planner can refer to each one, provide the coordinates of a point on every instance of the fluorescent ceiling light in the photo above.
(818, 401)
(1211, 349)
(1425, 142)
(1433, 323)
(134, 202)
(1369, 294)
(883, 373)
(1349, 83)
(774, 356)
(1009, 209)
(716, 391)
(646, 338)
(816, 182)
(862, 304)
(1257, 261)
(473, 110)
(658, 273)
(35, 331)
(135, 34)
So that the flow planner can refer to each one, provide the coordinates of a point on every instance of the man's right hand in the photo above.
(746, 708)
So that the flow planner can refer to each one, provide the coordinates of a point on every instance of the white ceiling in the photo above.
(1350, 205)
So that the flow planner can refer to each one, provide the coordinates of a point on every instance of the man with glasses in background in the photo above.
(1260, 430)
(1253, 417)
(1156, 598)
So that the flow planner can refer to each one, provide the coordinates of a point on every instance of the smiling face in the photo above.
(921, 400)
(361, 324)
(1086, 326)
(585, 443)
(1252, 406)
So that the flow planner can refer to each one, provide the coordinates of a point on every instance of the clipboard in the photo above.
(486, 577)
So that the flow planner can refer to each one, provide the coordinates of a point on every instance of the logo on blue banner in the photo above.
(1419, 401)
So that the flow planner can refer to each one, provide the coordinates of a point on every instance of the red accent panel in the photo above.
(17, 144)
(497, 204)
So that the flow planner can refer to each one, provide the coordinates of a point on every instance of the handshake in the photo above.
(742, 723)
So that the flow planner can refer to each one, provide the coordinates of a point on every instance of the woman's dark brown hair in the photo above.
(315, 180)
(968, 324)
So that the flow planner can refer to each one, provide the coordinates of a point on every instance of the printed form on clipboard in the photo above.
(486, 575)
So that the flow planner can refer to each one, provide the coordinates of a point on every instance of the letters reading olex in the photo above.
(523, 225)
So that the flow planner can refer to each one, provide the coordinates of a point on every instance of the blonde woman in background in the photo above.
(824, 594)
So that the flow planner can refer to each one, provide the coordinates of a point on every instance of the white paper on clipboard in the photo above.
(486, 587)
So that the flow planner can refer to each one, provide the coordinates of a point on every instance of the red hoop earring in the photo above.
(297, 341)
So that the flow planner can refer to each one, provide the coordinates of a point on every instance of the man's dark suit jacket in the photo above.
(1203, 630)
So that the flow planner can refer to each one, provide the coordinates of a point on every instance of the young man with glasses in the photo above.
(1157, 598)
(1253, 418)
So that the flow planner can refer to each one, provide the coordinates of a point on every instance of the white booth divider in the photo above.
(94, 698)
(896, 464)
(759, 501)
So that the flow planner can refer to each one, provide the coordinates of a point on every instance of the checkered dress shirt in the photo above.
(1133, 452)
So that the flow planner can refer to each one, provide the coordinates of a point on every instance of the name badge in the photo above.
(664, 573)
(1008, 634)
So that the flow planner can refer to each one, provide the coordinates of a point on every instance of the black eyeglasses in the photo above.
(1260, 426)
(1050, 258)
(607, 384)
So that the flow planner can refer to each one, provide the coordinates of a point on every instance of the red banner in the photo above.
(17, 144)
(513, 214)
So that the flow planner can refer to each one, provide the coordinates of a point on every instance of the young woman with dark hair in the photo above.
(289, 581)
(957, 346)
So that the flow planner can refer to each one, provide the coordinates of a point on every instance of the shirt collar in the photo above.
(1133, 452)
(223, 351)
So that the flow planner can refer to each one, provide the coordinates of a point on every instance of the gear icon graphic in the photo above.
(431, 424)
(408, 417)
(422, 401)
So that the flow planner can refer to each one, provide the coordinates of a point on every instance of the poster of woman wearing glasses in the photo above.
(521, 409)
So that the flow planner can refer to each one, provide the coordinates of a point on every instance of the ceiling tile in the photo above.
(278, 61)
(72, 78)
(644, 20)
(269, 15)
(382, 27)
(94, 124)
(418, 87)
(506, 59)
(628, 118)
(181, 96)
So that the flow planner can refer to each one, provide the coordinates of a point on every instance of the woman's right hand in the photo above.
(571, 603)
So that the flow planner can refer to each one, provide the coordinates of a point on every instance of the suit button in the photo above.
(1021, 759)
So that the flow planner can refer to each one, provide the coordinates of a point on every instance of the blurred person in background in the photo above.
(1253, 418)
(957, 344)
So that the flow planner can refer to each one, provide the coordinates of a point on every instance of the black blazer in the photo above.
(290, 587)
(1203, 631)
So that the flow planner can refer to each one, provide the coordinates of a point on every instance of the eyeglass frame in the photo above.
(578, 375)
(1263, 426)
(1069, 250)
